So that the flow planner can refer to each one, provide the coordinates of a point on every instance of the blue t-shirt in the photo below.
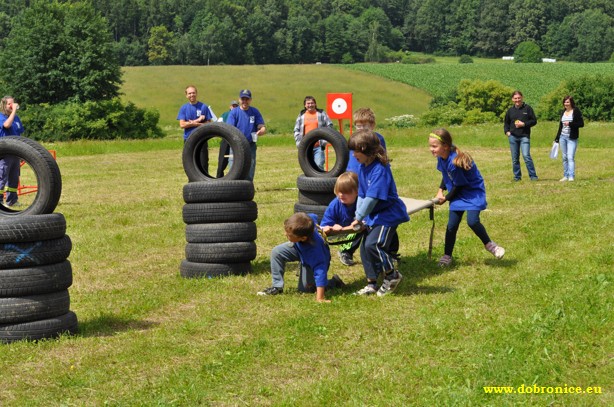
(353, 164)
(191, 112)
(375, 181)
(472, 194)
(338, 214)
(315, 254)
(247, 121)
(16, 128)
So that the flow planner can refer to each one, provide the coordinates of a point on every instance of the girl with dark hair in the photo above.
(567, 136)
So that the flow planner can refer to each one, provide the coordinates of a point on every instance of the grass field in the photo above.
(541, 316)
(148, 337)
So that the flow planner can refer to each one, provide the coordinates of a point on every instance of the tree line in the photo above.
(201, 32)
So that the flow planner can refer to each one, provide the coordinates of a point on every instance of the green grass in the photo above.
(534, 80)
(278, 90)
(542, 315)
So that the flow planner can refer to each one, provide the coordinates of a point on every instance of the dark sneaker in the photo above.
(389, 284)
(346, 258)
(271, 291)
(337, 281)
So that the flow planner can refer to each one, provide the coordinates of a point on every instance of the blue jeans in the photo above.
(518, 144)
(252, 168)
(568, 148)
(319, 157)
(454, 220)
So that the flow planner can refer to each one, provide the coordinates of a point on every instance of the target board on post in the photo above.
(339, 105)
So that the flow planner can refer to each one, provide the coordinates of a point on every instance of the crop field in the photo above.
(534, 80)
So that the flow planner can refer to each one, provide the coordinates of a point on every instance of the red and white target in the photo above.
(339, 105)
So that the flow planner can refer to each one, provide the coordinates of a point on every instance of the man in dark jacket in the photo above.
(517, 127)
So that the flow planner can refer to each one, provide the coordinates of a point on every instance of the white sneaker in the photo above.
(564, 179)
(367, 290)
(495, 249)
(570, 179)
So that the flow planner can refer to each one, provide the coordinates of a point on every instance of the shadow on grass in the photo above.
(109, 325)
(416, 269)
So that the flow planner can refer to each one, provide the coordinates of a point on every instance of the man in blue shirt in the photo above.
(249, 121)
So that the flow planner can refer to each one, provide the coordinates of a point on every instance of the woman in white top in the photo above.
(567, 136)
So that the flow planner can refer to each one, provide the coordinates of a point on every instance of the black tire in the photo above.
(218, 191)
(38, 253)
(32, 228)
(43, 328)
(234, 252)
(220, 212)
(318, 210)
(318, 185)
(35, 280)
(197, 143)
(46, 170)
(189, 269)
(221, 232)
(314, 198)
(33, 307)
(336, 140)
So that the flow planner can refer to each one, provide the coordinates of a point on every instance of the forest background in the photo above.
(203, 32)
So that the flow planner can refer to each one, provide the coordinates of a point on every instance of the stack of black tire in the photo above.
(34, 269)
(316, 187)
(219, 212)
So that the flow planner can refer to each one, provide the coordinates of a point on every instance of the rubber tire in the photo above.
(32, 228)
(40, 329)
(35, 280)
(318, 185)
(318, 210)
(44, 166)
(38, 253)
(221, 232)
(33, 307)
(336, 140)
(234, 252)
(189, 269)
(197, 141)
(314, 198)
(218, 191)
(220, 212)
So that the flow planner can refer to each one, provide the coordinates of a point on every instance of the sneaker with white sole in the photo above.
(445, 261)
(346, 258)
(495, 249)
(570, 179)
(563, 179)
(389, 284)
(271, 291)
(369, 289)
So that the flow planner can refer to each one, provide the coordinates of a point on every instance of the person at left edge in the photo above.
(10, 125)
(249, 121)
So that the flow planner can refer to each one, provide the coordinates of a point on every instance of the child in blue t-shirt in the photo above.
(340, 214)
(466, 193)
(364, 119)
(380, 210)
(309, 248)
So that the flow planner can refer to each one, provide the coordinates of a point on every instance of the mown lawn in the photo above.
(542, 315)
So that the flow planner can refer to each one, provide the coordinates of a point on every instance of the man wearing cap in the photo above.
(222, 161)
(250, 122)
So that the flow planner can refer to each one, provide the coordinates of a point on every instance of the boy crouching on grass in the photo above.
(308, 247)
